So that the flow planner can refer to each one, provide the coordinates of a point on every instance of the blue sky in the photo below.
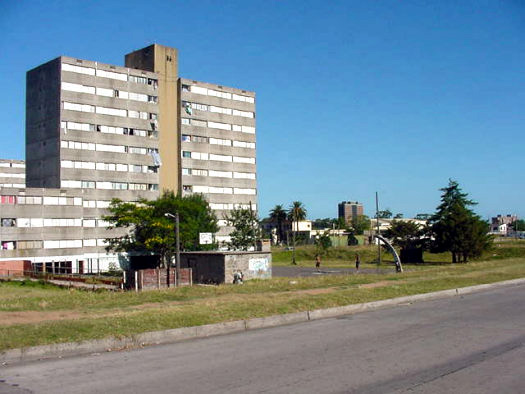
(353, 97)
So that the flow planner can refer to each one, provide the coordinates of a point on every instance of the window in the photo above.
(220, 157)
(186, 154)
(243, 113)
(220, 110)
(244, 175)
(10, 200)
(218, 141)
(8, 222)
(243, 144)
(137, 79)
(79, 107)
(220, 174)
(111, 111)
(137, 150)
(75, 87)
(217, 125)
(248, 160)
(185, 88)
(216, 93)
(8, 245)
(88, 184)
(244, 191)
(105, 92)
(198, 90)
(185, 121)
(197, 138)
(186, 138)
(112, 75)
(29, 200)
(78, 69)
(187, 188)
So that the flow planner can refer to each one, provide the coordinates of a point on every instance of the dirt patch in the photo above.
(383, 283)
(315, 291)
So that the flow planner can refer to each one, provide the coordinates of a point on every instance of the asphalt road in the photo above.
(469, 344)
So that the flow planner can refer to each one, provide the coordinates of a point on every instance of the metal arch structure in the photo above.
(397, 260)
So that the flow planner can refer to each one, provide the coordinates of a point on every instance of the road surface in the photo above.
(469, 344)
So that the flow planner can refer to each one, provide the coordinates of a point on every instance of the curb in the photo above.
(184, 333)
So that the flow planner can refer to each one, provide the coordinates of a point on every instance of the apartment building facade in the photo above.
(12, 173)
(96, 131)
(348, 210)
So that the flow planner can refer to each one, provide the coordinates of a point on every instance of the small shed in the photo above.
(220, 266)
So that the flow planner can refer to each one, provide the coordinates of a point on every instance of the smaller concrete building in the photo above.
(220, 267)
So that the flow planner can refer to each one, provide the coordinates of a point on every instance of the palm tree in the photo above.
(277, 216)
(296, 213)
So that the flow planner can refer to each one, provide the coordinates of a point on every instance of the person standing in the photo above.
(357, 262)
(317, 262)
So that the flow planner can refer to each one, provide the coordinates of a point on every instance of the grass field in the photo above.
(33, 313)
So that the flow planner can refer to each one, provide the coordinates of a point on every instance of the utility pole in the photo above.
(293, 236)
(378, 233)
(177, 246)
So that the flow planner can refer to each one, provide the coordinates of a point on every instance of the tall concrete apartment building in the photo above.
(97, 131)
(348, 210)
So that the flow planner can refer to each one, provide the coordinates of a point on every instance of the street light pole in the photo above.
(177, 246)
(378, 233)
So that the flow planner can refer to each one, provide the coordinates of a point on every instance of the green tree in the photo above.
(386, 214)
(323, 242)
(246, 230)
(423, 216)
(360, 224)
(296, 213)
(320, 224)
(398, 216)
(456, 228)
(278, 217)
(151, 232)
(404, 234)
(518, 225)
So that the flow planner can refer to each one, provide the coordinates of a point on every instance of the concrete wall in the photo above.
(164, 62)
(43, 125)
(219, 267)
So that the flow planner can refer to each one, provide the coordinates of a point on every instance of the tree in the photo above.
(323, 242)
(456, 228)
(278, 216)
(386, 214)
(423, 216)
(398, 216)
(246, 228)
(151, 232)
(359, 224)
(518, 225)
(404, 234)
(409, 237)
(320, 224)
(296, 213)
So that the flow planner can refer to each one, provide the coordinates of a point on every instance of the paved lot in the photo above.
(469, 344)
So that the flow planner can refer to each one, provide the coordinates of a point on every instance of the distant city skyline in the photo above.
(352, 98)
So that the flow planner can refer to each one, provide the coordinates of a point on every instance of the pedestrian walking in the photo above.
(357, 262)
(317, 262)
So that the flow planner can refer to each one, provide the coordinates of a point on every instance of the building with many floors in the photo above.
(96, 131)
(348, 210)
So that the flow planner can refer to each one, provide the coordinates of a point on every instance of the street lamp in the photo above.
(177, 246)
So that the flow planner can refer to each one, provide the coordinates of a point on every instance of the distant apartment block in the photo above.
(349, 210)
(96, 131)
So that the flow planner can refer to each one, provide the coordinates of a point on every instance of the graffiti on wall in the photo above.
(260, 267)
